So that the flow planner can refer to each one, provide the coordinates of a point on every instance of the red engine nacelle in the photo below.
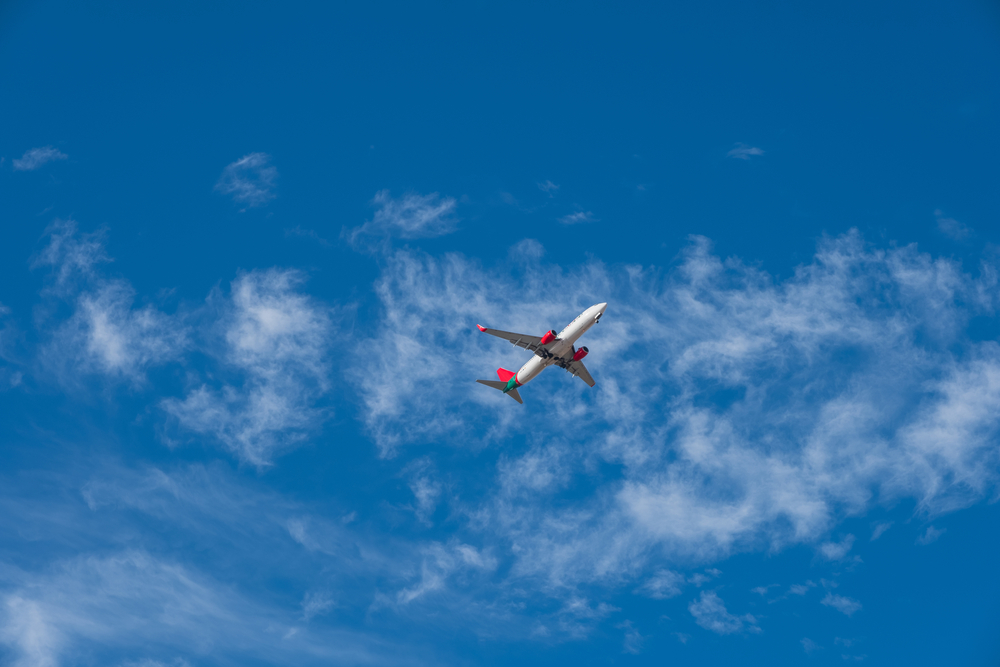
(549, 337)
(580, 354)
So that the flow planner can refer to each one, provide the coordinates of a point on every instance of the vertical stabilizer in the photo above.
(504, 374)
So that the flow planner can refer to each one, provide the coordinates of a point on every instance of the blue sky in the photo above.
(244, 248)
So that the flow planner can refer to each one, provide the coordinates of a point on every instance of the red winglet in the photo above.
(481, 328)
(505, 374)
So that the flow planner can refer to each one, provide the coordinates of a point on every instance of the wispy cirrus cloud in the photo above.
(879, 529)
(548, 187)
(742, 151)
(72, 256)
(930, 535)
(133, 602)
(36, 158)
(9, 375)
(800, 440)
(274, 343)
(836, 551)
(412, 216)
(809, 645)
(440, 562)
(662, 585)
(266, 340)
(114, 338)
(250, 181)
(952, 228)
(90, 589)
(577, 218)
(710, 612)
(633, 639)
(845, 605)
(105, 335)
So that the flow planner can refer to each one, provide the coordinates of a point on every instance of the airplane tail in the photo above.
(501, 385)
(505, 374)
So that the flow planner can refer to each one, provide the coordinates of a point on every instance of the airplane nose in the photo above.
(602, 306)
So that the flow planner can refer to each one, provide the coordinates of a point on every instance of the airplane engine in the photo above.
(549, 337)
(580, 354)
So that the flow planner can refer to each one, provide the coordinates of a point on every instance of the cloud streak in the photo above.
(845, 605)
(412, 216)
(106, 335)
(266, 341)
(274, 343)
(250, 181)
(746, 413)
(742, 151)
(710, 613)
(952, 228)
(36, 158)
(577, 218)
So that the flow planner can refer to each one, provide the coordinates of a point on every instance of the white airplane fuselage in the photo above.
(563, 343)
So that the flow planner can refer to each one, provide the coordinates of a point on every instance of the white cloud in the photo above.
(230, 523)
(133, 601)
(71, 255)
(710, 613)
(27, 631)
(412, 216)
(952, 228)
(269, 340)
(548, 187)
(931, 535)
(307, 233)
(742, 151)
(662, 585)
(745, 412)
(38, 157)
(250, 180)
(880, 528)
(762, 590)
(316, 604)
(809, 645)
(426, 490)
(275, 339)
(577, 616)
(106, 335)
(632, 642)
(836, 550)
(9, 337)
(844, 605)
(577, 218)
(801, 589)
(439, 563)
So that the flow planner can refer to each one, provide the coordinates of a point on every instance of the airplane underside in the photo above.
(551, 349)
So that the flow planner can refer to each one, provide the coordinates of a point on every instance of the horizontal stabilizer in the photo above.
(493, 383)
(501, 386)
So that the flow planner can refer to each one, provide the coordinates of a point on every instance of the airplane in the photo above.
(551, 349)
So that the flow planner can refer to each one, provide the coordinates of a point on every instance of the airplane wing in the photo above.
(528, 342)
(579, 370)
(575, 368)
(534, 343)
